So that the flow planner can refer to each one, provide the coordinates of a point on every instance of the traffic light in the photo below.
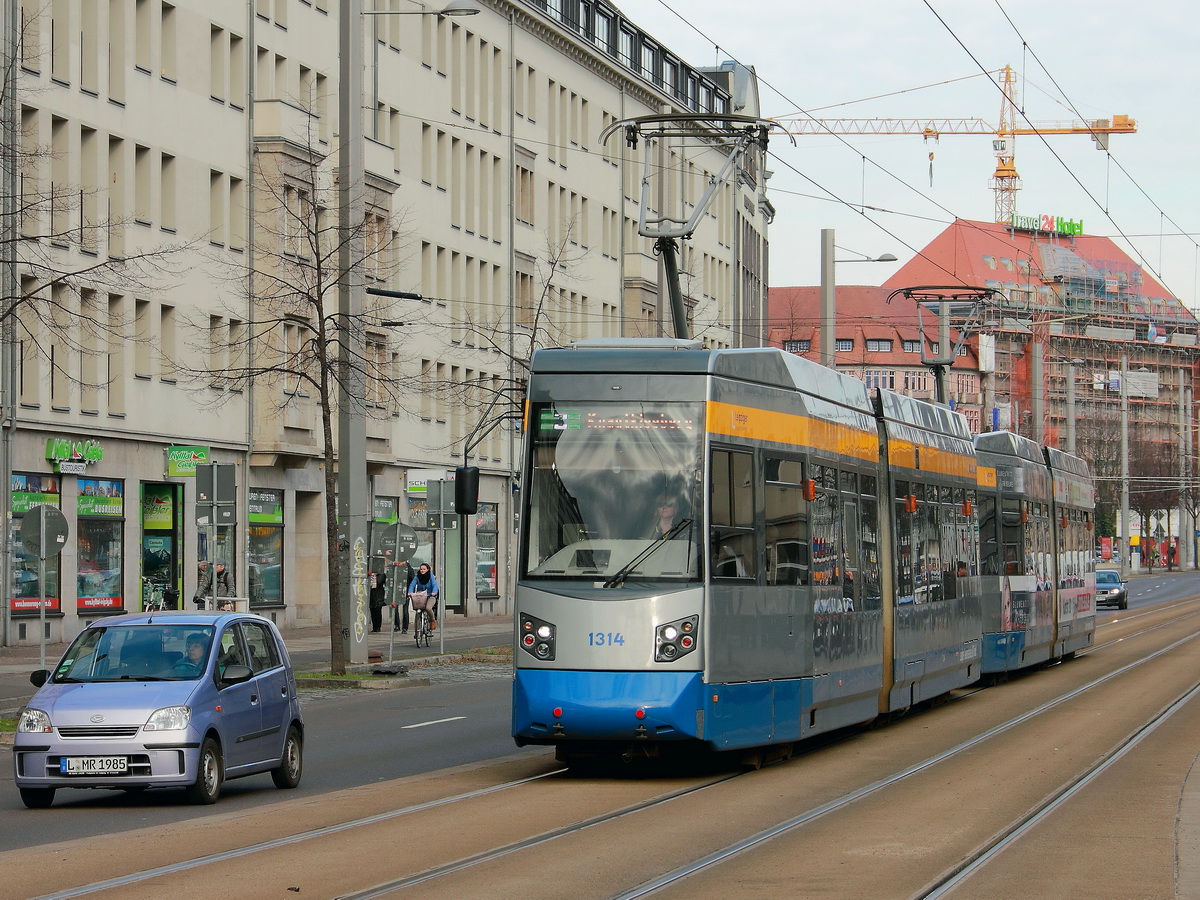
(466, 489)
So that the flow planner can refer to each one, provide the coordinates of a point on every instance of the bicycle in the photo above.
(421, 629)
(422, 620)
(152, 596)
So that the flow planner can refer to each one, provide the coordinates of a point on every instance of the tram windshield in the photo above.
(615, 492)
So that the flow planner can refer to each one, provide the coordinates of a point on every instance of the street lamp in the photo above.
(829, 291)
(353, 499)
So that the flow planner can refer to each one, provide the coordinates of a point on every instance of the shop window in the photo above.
(27, 492)
(486, 542)
(100, 508)
(264, 571)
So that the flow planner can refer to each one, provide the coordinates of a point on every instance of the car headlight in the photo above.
(169, 718)
(33, 721)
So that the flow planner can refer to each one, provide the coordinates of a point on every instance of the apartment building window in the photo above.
(115, 376)
(166, 179)
(141, 184)
(879, 345)
(237, 72)
(843, 345)
(237, 213)
(90, 353)
(796, 346)
(167, 341)
(217, 52)
(143, 336)
(60, 40)
(118, 188)
(31, 35)
(880, 378)
(169, 57)
(89, 188)
(912, 346)
(143, 27)
(217, 194)
(89, 48)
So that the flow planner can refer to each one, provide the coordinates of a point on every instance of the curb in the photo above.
(375, 684)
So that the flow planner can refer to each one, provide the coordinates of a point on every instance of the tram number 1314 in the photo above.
(605, 638)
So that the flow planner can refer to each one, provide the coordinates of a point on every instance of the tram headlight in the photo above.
(537, 637)
(675, 639)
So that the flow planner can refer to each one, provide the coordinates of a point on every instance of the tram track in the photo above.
(622, 816)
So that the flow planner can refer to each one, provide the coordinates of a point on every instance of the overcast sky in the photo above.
(1074, 59)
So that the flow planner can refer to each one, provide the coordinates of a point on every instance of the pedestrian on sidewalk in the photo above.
(378, 595)
(405, 574)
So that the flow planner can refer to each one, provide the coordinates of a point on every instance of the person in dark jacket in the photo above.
(378, 596)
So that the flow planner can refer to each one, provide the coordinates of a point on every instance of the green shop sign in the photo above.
(182, 461)
(158, 506)
(265, 506)
(71, 456)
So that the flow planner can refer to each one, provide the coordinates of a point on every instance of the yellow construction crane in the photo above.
(1005, 180)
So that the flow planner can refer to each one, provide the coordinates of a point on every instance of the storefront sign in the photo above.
(182, 461)
(101, 498)
(158, 506)
(75, 455)
(418, 480)
(1051, 224)
(266, 507)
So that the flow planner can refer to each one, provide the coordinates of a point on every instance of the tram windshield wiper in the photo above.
(622, 573)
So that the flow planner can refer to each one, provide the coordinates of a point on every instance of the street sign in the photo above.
(406, 542)
(397, 542)
(44, 531)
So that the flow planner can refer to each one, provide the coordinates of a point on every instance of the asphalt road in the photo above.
(354, 738)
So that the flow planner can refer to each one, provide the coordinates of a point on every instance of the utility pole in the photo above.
(353, 502)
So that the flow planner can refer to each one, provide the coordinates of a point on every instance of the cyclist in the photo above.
(425, 582)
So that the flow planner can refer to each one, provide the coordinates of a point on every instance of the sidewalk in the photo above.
(308, 647)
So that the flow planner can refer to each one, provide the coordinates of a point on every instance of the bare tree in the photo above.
(1153, 471)
(290, 348)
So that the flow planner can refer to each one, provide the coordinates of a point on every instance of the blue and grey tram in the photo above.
(1036, 510)
(734, 549)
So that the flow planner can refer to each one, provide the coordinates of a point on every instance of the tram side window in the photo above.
(731, 544)
(904, 544)
(1011, 529)
(928, 541)
(786, 522)
(989, 545)
(826, 528)
(870, 592)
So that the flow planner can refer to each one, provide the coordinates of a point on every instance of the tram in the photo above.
(742, 549)
(1036, 512)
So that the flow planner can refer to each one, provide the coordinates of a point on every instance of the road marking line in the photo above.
(434, 722)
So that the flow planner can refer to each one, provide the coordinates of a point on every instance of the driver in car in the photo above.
(193, 660)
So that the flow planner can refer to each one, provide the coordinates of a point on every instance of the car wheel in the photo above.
(37, 798)
(1124, 604)
(209, 773)
(287, 774)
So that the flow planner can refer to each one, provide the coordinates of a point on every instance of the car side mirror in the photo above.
(236, 675)
(40, 677)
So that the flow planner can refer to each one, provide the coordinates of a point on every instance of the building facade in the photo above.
(1075, 346)
(175, 287)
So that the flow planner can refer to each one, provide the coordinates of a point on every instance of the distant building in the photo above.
(1043, 356)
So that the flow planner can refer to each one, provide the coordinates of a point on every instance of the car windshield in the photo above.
(1108, 578)
(153, 652)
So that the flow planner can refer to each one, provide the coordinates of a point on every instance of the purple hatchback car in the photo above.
(182, 700)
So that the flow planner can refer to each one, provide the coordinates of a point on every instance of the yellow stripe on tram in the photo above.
(788, 428)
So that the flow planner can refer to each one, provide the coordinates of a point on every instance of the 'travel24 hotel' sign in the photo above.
(1050, 224)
